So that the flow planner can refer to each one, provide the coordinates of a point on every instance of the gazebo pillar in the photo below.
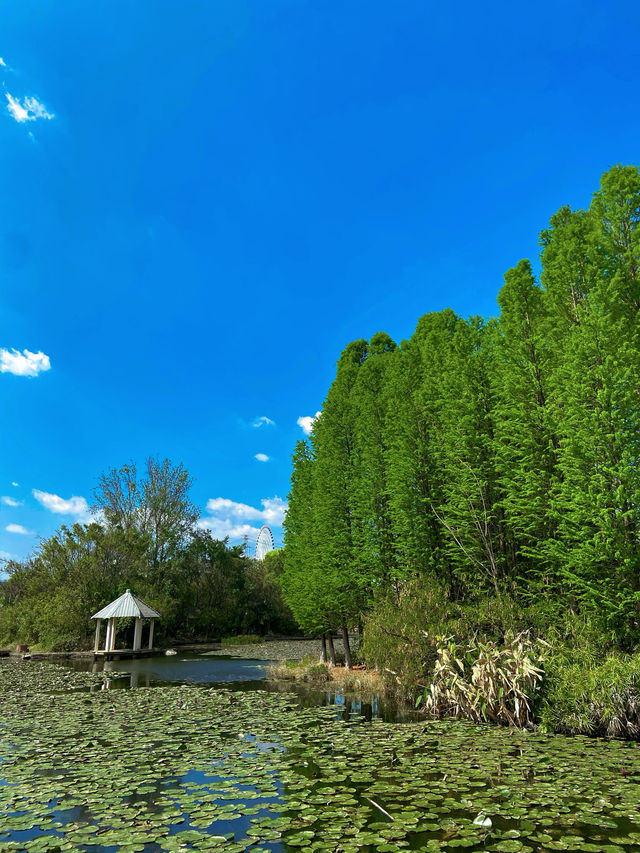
(111, 635)
(137, 635)
(152, 622)
(96, 644)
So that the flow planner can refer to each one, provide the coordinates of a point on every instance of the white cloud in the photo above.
(23, 363)
(261, 457)
(75, 506)
(230, 518)
(17, 528)
(263, 420)
(274, 511)
(5, 555)
(13, 483)
(10, 501)
(306, 422)
(221, 528)
(2, 62)
(232, 509)
(29, 109)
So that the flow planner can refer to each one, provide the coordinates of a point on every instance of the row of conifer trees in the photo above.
(497, 457)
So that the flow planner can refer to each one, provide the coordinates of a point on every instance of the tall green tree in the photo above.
(301, 579)
(372, 529)
(526, 439)
(347, 590)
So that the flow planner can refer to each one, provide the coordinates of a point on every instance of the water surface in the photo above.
(237, 674)
(192, 763)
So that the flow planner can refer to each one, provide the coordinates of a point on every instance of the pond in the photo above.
(210, 767)
(237, 674)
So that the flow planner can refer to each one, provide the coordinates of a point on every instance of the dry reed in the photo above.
(482, 681)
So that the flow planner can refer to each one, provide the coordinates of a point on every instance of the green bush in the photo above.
(241, 640)
(400, 635)
(317, 674)
(584, 693)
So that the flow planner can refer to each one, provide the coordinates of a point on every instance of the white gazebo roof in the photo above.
(127, 605)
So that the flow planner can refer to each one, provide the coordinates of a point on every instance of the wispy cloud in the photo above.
(3, 63)
(17, 528)
(261, 457)
(263, 420)
(231, 518)
(75, 506)
(23, 363)
(306, 422)
(13, 483)
(27, 109)
(10, 501)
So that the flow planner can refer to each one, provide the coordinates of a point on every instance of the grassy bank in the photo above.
(311, 671)
(522, 680)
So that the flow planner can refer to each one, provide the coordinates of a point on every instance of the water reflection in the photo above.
(238, 674)
(182, 669)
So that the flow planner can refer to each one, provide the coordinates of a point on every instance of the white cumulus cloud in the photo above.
(10, 501)
(27, 109)
(306, 422)
(75, 506)
(13, 483)
(263, 420)
(231, 518)
(17, 528)
(261, 457)
(23, 363)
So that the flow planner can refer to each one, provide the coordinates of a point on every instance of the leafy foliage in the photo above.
(492, 459)
(485, 681)
(481, 480)
(149, 542)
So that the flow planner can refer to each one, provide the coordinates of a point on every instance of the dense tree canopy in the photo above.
(498, 458)
(147, 540)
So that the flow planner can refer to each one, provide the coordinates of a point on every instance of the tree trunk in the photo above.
(332, 651)
(348, 663)
(323, 653)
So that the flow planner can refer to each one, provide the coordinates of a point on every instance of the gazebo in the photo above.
(127, 605)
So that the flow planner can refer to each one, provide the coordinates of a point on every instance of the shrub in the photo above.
(399, 635)
(310, 672)
(241, 640)
(584, 693)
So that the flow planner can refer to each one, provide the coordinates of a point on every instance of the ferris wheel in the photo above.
(264, 542)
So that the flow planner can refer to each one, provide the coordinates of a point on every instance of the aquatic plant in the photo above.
(197, 768)
(485, 681)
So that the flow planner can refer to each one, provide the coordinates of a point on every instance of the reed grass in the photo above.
(486, 681)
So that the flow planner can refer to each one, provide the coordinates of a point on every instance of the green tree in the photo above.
(301, 579)
(526, 440)
(372, 527)
(347, 592)
(49, 599)
(158, 504)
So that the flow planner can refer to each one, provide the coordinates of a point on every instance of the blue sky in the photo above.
(204, 202)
